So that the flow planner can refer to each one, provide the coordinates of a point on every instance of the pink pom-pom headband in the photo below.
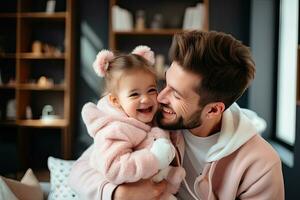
(145, 52)
(101, 63)
(104, 57)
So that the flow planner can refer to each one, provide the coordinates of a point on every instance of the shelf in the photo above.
(44, 15)
(8, 15)
(8, 55)
(40, 56)
(170, 32)
(11, 86)
(55, 123)
(39, 88)
(7, 122)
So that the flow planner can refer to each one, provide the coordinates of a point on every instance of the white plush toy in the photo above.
(164, 150)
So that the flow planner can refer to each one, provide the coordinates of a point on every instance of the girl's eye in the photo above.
(152, 91)
(133, 95)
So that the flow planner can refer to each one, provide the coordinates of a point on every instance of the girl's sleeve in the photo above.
(117, 159)
(87, 182)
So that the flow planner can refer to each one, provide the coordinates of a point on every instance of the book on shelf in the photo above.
(122, 19)
(194, 17)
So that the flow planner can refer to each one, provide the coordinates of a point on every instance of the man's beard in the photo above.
(193, 122)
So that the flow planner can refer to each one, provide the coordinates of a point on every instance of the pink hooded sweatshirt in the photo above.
(242, 165)
(121, 151)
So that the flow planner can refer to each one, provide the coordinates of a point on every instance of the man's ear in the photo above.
(113, 100)
(214, 109)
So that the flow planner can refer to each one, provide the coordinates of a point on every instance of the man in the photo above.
(218, 146)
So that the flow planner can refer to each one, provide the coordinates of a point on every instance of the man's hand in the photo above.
(143, 189)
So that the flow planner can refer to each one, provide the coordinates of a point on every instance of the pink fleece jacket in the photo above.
(251, 172)
(121, 151)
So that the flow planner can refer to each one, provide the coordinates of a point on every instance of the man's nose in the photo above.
(162, 96)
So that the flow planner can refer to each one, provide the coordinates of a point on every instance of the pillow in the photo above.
(26, 189)
(59, 173)
(5, 192)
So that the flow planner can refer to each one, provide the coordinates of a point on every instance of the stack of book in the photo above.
(194, 17)
(122, 19)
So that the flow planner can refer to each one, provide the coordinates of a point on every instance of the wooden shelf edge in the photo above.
(7, 86)
(39, 88)
(149, 32)
(298, 102)
(39, 123)
(41, 56)
(43, 15)
(8, 55)
(8, 122)
(8, 15)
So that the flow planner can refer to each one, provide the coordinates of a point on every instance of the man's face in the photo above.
(179, 101)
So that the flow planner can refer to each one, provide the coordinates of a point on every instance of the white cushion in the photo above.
(5, 192)
(59, 173)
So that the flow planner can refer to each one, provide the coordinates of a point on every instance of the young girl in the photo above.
(126, 146)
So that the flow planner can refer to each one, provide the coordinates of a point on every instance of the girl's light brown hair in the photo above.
(123, 64)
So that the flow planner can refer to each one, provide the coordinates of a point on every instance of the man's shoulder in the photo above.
(258, 152)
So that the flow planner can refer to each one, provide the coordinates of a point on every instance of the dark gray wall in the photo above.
(92, 36)
(261, 94)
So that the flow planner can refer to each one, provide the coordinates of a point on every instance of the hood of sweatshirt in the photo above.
(238, 126)
(102, 114)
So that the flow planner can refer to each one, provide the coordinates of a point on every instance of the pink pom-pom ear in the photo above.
(145, 52)
(101, 63)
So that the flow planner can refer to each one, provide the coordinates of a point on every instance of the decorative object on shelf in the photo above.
(157, 22)
(121, 19)
(48, 113)
(28, 112)
(140, 20)
(11, 109)
(160, 65)
(194, 17)
(11, 81)
(51, 50)
(50, 7)
(37, 47)
(62, 82)
(45, 82)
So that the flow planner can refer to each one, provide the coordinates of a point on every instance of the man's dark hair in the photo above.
(223, 63)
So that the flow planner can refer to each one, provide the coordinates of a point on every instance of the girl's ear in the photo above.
(114, 101)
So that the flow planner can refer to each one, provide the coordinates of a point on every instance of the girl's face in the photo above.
(137, 95)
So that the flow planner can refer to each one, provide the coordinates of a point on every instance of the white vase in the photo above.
(11, 109)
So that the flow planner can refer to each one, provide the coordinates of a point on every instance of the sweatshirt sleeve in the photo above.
(117, 158)
(268, 186)
(87, 182)
(91, 116)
